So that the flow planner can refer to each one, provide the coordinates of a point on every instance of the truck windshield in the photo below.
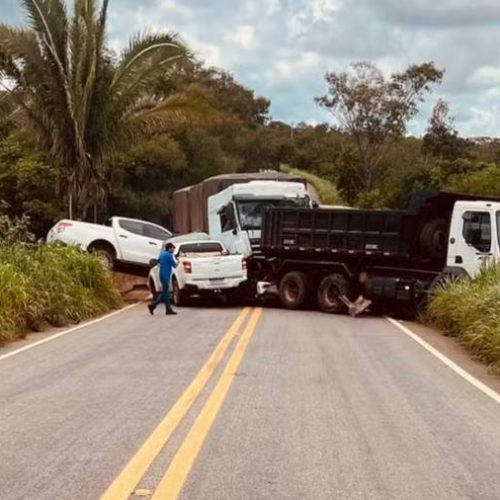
(251, 211)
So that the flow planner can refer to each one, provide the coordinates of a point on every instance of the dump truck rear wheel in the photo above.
(330, 290)
(294, 289)
(433, 238)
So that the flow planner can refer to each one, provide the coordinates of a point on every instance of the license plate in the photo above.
(216, 280)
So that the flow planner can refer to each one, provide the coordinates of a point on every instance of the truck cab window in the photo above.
(498, 228)
(155, 232)
(477, 230)
(205, 249)
(251, 212)
(227, 218)
(132, 226)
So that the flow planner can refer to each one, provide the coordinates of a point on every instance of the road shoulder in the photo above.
(452, 349)
(32, 339)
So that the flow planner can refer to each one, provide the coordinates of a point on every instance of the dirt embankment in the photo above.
(132, 288)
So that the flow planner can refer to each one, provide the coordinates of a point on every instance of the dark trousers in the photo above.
(164, 296)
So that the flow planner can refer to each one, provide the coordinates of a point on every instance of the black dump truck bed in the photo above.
(334, 230)
(417, 236)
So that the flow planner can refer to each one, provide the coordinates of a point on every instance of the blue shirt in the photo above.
(167, 263)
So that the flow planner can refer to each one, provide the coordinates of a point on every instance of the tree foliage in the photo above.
(375, 109)
(441, 139)
(83, 105)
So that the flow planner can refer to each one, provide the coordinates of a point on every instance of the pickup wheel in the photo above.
(152, 288)
(106, 252)
(330, 290)
(179, 297)
(294, 290)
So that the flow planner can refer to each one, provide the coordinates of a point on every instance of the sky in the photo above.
(282, 48)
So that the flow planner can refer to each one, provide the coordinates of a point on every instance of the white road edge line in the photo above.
(448, 362)
(65, 332)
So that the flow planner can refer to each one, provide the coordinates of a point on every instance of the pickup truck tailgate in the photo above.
(227, 266)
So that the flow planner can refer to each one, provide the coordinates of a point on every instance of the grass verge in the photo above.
(51, 284)
(470, 311)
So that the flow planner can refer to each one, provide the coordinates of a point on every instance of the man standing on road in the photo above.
(167, 264)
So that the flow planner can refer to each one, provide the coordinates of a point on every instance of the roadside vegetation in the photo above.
(44, 285)
(327, 191)
(469, 310)
(94, 133)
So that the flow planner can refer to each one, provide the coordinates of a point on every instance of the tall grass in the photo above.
(470, 310)
(50, 284)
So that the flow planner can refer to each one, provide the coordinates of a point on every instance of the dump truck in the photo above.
(331, 256)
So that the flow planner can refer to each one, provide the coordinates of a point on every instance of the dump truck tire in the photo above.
(331, 288)
(294, 290)
(433, 238)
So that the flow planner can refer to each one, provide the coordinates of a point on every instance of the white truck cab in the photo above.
(235, 214)
(474, 239)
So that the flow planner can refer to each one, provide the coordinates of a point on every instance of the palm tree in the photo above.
(83, 103)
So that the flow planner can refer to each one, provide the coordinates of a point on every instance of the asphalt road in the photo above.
(290, 405)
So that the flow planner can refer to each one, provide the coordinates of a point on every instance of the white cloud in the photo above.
(174, 7)
(295, 65)
(208, 52)
(321, 10)
(311, 13)
(486, 76)
(282, 48)
(244, 36)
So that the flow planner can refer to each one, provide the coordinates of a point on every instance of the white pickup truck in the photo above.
(205, 268)
(122, 240)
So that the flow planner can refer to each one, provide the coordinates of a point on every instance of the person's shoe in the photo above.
(170, 313)
(151, 308)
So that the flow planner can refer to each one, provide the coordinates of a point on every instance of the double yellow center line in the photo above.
(180, 466)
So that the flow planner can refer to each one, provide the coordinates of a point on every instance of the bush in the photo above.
(50, 284)
(468, 309)
(15, 230)
(328, 192)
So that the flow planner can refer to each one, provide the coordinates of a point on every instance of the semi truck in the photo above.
(330, 256)
(191, 204)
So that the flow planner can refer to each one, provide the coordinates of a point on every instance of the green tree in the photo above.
(27, 183)
(441, 139)
(479, 180)
(375, 109)
(84, 105)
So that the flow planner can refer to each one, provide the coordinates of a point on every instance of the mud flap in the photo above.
(358, 306)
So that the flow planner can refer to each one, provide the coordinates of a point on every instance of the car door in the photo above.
(156, 236)
(134, 245)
